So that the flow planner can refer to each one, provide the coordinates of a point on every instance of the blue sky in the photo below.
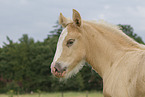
(37, 17)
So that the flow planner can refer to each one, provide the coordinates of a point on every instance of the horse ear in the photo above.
(63, 20)
(76, 18)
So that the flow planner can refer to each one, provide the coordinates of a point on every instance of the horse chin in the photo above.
(75, 70)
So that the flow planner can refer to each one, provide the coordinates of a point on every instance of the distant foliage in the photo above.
(25, 66)
(128, 30)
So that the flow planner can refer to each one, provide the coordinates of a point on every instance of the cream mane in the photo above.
(116, 34)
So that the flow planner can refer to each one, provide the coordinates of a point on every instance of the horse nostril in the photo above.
(57, 67)
(64, 69)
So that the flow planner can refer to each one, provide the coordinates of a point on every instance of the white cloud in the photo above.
(101, 16)
(141, 11)
(23, 2)
(107, 7)
(138, 11)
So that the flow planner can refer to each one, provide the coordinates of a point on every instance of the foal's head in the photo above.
(70, 53)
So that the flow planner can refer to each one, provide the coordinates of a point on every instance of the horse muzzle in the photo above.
(58, 71)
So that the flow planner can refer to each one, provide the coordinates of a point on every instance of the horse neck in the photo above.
(102, 49)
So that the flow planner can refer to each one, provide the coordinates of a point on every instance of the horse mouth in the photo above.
(59, 73)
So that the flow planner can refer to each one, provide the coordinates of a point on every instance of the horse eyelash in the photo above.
(70, 42)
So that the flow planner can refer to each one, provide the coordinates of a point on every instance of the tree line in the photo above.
(25, 66)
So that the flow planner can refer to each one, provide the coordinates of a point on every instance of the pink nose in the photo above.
(57, 70)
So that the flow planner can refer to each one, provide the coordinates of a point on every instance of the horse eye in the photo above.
(70, 42)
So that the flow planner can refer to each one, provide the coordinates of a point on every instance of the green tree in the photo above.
(26, 63)
(128, 30)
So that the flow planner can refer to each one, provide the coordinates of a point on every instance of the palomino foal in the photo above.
(118, 59)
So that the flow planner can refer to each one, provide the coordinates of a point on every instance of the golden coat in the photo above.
(118, 59)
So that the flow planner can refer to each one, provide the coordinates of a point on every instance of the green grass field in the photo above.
(58, 94)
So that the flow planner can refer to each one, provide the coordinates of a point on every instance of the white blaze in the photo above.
(60, 45)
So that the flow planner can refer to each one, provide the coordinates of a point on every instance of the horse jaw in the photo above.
(76, 69)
